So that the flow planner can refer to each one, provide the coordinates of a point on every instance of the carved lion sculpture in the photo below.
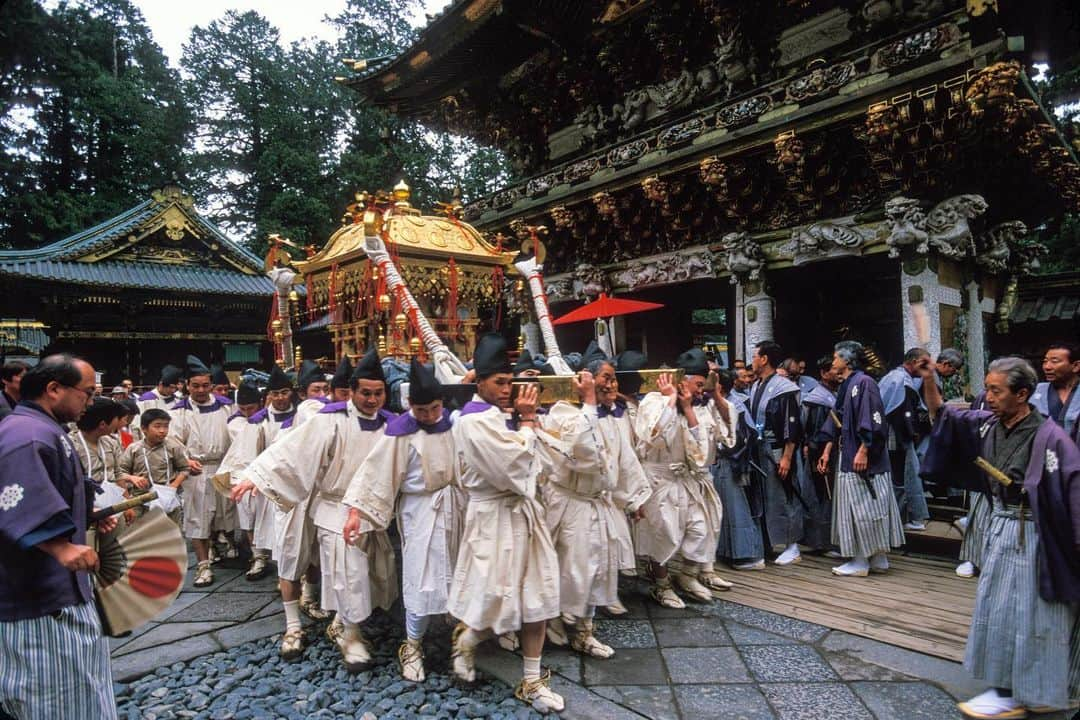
(745, 258)
(906, 220)
(591, 279)
(995, 245)
(948, 224)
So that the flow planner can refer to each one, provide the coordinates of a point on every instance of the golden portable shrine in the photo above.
(447, 277)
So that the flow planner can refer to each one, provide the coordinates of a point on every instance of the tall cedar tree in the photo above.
(92, 117)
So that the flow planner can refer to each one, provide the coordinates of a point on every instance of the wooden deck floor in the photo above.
(920, 604)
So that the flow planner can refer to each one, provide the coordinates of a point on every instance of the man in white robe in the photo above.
(507, 573)
(683, 513)
(412, 472)
(259, 430)
(160, 397)
(586, 507)
(316, 462)
(200, 423)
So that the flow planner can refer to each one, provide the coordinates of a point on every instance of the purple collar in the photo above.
(617, 409)
(407, 424)
(475, 406)
(187, 404)
(381, 418)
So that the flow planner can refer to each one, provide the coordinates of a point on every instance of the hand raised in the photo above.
(527, 400)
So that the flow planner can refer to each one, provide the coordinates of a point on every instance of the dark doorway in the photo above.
(850, 298)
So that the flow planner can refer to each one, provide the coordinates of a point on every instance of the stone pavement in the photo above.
(719, 660)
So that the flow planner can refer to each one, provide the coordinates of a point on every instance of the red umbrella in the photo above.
(605, 307)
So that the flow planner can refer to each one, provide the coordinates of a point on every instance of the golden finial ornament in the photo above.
(381, 344)
(400, 321)
(414, 345)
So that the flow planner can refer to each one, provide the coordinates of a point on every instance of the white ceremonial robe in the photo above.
(507, 571)
(316, 461)
(415, 475)
(683, 513)
(590, 532)
(296, 543)
(632, 487)
(204, 433)
(250, 436)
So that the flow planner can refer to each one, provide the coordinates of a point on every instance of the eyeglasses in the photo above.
(88, 393)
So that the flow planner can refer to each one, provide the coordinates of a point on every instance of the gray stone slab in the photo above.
(240, 583)
(136, 664)
(949, 675)
(705, 665)
(691, 632)
(233, 635)
(168, 633)
(581, 704)
(631, 666)
(850, 667)
(625, 633)
(223, 606)
(117, 643)
(814, 701)
(909, 700)
(660, 612)
(652, 701)
(183, 600)
(564, 662)
(771, 622)
(635, 607)
(739, 702)
(745, 635)
(786, 663)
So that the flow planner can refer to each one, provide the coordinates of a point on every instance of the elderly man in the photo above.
(1025, 630)
(866, 521)
(54, 662)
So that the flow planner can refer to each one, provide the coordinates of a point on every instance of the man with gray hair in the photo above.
(866, 521)
(1024, 640)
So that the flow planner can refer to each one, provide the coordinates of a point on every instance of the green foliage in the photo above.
(1062, 238)
(92, 117)
(259, 133)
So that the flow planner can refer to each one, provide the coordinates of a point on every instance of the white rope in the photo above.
(531, 270)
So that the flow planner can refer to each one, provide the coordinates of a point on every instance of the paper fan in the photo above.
(141, 570)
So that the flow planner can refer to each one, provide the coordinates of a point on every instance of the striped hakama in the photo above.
(1017, 639)
(973, 545)
(56, 666)
(864, 525)
(740, 528)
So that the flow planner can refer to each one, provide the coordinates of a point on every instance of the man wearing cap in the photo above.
(317, 460)
(222, 386)
(507, 573)
(314, 390)
(412, 471)
(341, 381)
(255, 514)
(201, 422)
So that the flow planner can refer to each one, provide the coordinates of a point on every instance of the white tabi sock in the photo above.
(309, 592)
(530, 668)
(292, 615)
(416, 625)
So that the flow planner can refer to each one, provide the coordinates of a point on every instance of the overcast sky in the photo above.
(171, 21)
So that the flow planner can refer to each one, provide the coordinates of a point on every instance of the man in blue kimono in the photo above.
(54, 662)
(1057, 398)
(900, 395)
(866, 521)
(776, 416)
(1024, 640)
(818, 403)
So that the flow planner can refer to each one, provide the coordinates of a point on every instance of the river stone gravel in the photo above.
(250, 682)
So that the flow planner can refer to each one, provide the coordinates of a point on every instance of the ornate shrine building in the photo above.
(138, 291)
(790, 169)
